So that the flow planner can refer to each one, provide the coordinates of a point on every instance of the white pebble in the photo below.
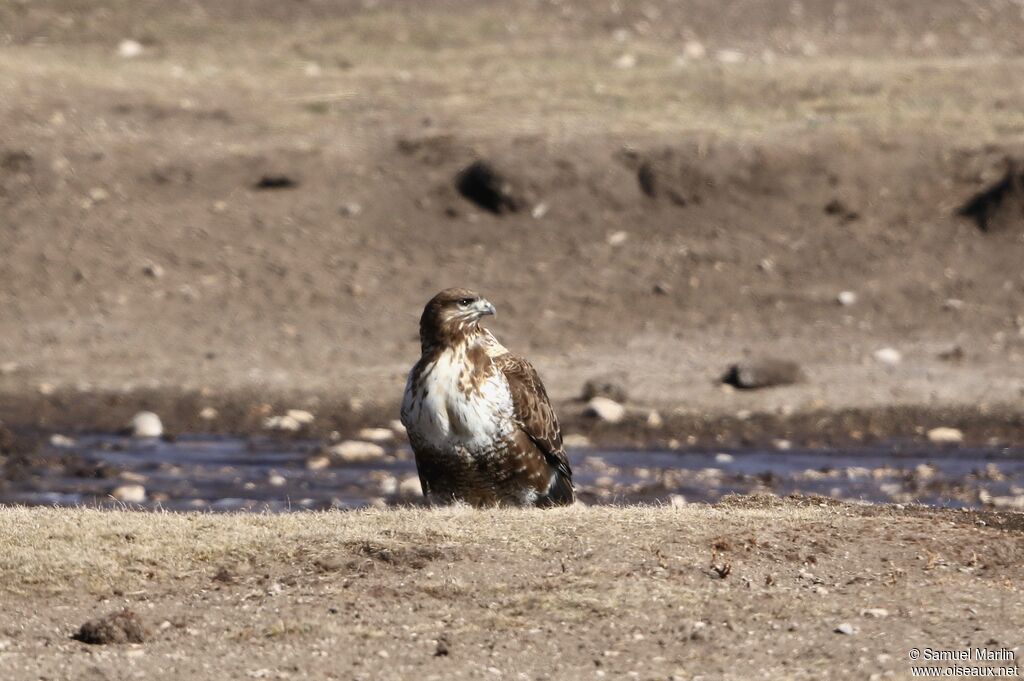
(605, 409)
(283, 423)
(888, 356)
(129, 49)
(576, 440)
(943, 435)
(410, 487)
(376, 434)
(846, 298)
(355, 451)
(845, 628)
(626, 61)
(146, 424)
(693, 49)
(302, 416)
(318, 463)
(129, 494)
(617, 238)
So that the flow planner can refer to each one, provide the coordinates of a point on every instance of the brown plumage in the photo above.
(478, 417)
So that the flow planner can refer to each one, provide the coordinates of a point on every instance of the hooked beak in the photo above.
(484, 308)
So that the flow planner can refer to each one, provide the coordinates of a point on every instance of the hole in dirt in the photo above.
(1000, 206)
(482, 184)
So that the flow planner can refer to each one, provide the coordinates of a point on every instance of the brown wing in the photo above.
(534, 412)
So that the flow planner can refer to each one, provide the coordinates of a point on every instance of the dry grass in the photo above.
(720, 591)
(57, 548)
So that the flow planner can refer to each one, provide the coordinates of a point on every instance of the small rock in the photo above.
(953, 354)
(539, 211)
(318, 462)
(661, 289)
(762, 373)
(576, 441)
(605, 409)
(276, 480)
(208, 413)
(626, 61)
(58, 440)
(129, 49)
(888, 356)
(877, 613)
(351, 209)
(152, 269)
(722, 457)
(129, 494)
(146, 424)
(617, 238)
(410, 487)
(693, 49)
(729, 56)
(302, 416)
(119, 627)
(47, 388)
(838, 208)
(282, 423)
(846, 629)
(943, 435)
(355, 451)
(846, 298)
(782, 445)
(388, 485)
(604, 386)
(654, 420)
(376, 434)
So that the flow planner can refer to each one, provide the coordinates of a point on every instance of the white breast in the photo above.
(448, 417)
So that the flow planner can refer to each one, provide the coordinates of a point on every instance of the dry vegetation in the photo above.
(746, 588)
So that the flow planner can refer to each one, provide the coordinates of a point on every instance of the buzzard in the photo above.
(478, 417)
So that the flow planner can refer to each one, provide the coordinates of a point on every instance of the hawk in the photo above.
(478, 417)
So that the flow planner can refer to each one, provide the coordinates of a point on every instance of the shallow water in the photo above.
(228, 474)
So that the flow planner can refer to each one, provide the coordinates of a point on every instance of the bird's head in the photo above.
(451, 315)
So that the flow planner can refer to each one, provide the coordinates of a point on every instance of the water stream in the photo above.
(260, 474)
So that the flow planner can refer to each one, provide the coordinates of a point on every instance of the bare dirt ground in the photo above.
(753, 589)
(699, 182)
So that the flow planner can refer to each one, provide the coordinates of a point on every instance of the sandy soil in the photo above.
(573, 594)
(790, 153)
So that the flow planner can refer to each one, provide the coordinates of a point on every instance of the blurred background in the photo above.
(207, 199)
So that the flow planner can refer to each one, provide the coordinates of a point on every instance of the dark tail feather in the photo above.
(560, 493)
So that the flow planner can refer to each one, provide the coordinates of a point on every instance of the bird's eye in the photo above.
(465, 302)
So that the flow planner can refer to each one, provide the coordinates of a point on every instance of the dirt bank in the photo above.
(262, 202)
